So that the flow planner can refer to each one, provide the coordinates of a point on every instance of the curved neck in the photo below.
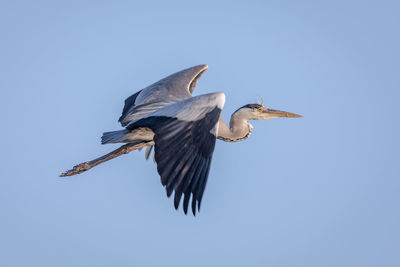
(239, 129)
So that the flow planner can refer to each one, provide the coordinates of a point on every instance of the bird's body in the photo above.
(183, 130)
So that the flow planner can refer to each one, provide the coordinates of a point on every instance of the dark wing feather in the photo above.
(129, 105)
(183, 152)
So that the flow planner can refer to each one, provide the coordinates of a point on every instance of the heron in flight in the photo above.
(182, 129)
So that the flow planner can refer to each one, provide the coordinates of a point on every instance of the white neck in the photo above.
(239, 129)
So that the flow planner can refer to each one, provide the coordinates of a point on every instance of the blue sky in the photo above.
(318, 191)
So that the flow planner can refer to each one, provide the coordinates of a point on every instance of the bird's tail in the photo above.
(114, 136)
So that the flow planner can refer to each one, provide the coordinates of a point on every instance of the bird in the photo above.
(183, 130)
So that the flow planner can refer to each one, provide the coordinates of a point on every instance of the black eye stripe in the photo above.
(252, 106)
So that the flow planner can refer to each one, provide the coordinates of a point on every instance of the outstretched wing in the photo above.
(171, 89)
(185, 134)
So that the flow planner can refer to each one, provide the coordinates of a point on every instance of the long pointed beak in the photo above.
(279, 113)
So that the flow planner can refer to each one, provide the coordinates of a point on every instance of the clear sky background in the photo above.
(318, 191)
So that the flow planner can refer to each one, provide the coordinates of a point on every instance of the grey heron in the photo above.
(182, 129)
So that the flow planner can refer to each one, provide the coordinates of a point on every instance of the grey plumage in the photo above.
(181, 139)
(183, 130)
(113, 136)
(172, 89)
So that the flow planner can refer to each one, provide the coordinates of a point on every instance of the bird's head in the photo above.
(259, 112)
